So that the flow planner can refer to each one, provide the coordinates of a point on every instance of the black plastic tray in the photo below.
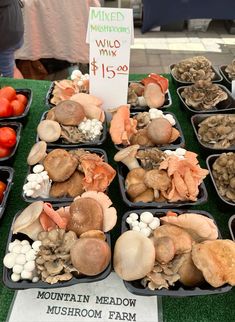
(178, 290)
(6, 176)
(49, 96)
(25, 284)
(64, 199)
(209, 161)
(224, 74)
(217, 78)
(196, 120)
(179, 143)
(29, 94)
(225, 106)
(59, 143)
(231, 226)
(122, 173)
(17, 127)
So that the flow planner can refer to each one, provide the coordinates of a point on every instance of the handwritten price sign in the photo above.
(110, 33)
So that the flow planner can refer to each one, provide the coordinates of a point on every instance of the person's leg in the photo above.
(7, 62)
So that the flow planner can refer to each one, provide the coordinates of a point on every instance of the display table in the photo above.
(194, 309)
(56, 29)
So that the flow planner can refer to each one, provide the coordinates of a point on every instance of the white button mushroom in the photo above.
(29, 266)
(12, 244)
(15, 277)
(17, 249)
(155, 223)
(25, 248)
(9, 260)
(146, 217)
(26, 275)
(17, 269)
(20, 259)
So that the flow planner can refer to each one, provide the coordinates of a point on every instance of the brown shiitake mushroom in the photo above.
(86, 214)
(69, 112)
(90, 256)
(49, 131)
(159, 131)
(37, 153)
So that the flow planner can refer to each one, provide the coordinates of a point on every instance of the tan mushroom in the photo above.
(159, 131)
(158, 180)
(49, 131)
(37, 153)
(127, 156)
(69, 112)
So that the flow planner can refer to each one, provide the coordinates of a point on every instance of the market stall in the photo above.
(219, 307)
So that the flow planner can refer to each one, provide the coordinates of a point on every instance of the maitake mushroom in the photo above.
(218, 131)
(150, 158)
(53, 261)
(223, 171)
(193, 69)
(203, 95)
(230, 69)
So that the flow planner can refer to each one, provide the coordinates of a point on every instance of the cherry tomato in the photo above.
(2, 189)
(6, 109)
(17, 107)
(22, 98)
(4, 152)
(8, 92)
(7, 137)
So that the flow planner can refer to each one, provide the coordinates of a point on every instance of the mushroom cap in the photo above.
(28, 221)
(159, 130)
(90, 256)
(134, 256)
(60, 165)
(49, 131)
(37, 153)
(69, 112)
(85, 214)
(157, 179)
(134, 176)
(130, 151)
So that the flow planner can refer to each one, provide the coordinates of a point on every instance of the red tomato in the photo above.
(23, 99)
(7, 137)
(4, 152)
(17, 107)
(2, 189)
(8, 92)
(6, 109)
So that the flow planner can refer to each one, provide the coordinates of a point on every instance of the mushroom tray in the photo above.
(6, 176)
(174, 253)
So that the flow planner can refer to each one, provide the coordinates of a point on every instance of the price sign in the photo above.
(110, 33)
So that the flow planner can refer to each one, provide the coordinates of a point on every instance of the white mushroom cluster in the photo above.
(39, 183)
(91, 129)
(179, 152)
(145, 223)
(21, 259)
(155, 113)
(77, 75)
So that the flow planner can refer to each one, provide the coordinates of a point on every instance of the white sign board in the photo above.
(110, 33)
(103, 301)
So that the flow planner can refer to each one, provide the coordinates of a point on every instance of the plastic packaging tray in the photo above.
(60, 143)
(26, 284)
(227, 105)
(224, 74)
(209, 161)
(178, 290)
(63, 199)
(179, 143)
(6, 176)
(217, 78)
(122, 173)
(49, 96)
(231, 226)
(28, 93)
(17, 127)
(196, 120)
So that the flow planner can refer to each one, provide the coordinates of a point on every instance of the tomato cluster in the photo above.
(8, 139)
(11, 103)
(2, 189)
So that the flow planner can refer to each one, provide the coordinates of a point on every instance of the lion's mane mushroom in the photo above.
(37, 153)
(90, 256)
(134, 256)
(49, 131)
(127, 156)
(28, 221)
(85, 214)
(158, 180)
(60, 165)
(69, 112)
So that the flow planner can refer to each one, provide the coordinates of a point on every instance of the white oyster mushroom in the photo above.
(15, 277)
(9, 260)
(170, 118)
(129, 220)
(146, 217)
(135, 223)
(38, 185)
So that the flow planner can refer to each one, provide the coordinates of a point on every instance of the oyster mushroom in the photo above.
(28, 221)
(158, 180)
(49, 131)
(54, 268)
(90, 256)
(127, 156)
(37, 153)
(69, 112)
(134, 256)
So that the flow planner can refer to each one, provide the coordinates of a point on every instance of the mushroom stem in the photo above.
(131, 162)
(127, 156)
(156, 193)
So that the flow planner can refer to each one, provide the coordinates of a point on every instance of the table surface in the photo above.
(56, 29)
(194, 309)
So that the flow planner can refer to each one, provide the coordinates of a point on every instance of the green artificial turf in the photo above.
(194, 309)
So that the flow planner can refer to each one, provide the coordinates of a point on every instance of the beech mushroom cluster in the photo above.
(203, 95)
(193, 69)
